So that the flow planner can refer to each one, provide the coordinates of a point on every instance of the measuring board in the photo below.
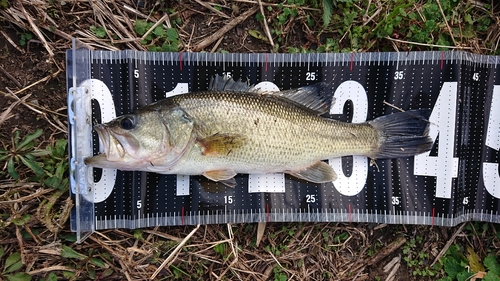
(458, 180)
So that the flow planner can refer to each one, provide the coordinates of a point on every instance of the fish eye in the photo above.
(127, 123)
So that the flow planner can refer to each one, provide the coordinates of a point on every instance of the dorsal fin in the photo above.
(227, 84)
(317, 97)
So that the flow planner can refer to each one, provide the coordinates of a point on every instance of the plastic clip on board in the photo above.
(458, 180)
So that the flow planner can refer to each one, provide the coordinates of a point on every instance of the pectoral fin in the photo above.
(319, 172)
(220, 144)
(226, 177)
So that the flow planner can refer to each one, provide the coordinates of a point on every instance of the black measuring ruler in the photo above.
(457, 180)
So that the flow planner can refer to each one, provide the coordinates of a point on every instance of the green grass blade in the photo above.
(12, 170)
(29, 138)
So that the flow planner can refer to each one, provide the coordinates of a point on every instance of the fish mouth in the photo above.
(110, 145)
(104, 137)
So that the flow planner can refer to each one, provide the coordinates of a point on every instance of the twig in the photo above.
(387, 251)
(212, 38)
(446, 21)
(448, 244)
(266, 27)
(174, 253)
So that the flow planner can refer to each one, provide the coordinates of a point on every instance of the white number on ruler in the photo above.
(310, 76)
(475, 76)
(353, 91)
(442, 122)
(491, 177)
(139, 204)
(398, 75)
(396, 200)
(310, 198)
(228, 199)
(136, 73)
(465, 201)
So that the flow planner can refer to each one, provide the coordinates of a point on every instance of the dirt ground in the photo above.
(315, 251)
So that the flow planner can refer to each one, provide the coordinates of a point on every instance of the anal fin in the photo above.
(320, 172)
(225, 177)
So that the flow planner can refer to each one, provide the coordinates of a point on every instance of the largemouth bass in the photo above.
(233, 128)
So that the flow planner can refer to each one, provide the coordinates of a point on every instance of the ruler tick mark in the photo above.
(352, 60)
(182, 215)
(180, 66)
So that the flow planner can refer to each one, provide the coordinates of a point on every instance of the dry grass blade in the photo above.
(6, 114)
(51, 269)
(208, 6)
(174, 253)
(109, 20)
(6, 73)
(164, 18)
(35, 29)
(261, 227)
(12, 42)
(429, 45)
(38, 193)
(266, 27)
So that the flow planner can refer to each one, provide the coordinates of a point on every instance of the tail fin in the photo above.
(403, 134)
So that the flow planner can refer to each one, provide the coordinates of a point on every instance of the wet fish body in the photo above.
(232, 128)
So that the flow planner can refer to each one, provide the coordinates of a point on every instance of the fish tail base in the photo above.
(403, 134)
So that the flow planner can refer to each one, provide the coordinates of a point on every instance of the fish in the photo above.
(236, 128)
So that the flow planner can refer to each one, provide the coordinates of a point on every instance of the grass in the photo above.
(35, 240)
